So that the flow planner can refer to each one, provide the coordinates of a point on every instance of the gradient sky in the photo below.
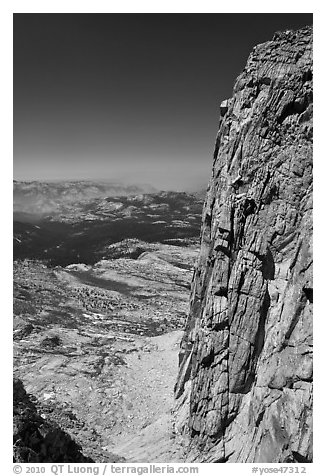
(131, 97)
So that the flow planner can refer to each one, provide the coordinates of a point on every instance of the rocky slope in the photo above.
(96, 349)
(37, 440)
(245, 377)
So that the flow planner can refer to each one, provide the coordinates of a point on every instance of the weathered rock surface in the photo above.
(37, 440)
(97, 346)
(245, 378)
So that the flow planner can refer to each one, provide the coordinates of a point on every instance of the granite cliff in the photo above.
(244, 390)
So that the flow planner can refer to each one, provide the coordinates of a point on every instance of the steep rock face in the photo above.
(245, 378)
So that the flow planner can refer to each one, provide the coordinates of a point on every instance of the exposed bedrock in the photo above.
(244, 391)
(37, 440)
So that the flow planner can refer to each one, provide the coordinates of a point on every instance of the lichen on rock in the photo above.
(244, 391)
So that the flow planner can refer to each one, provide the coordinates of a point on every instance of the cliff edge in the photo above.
(244, 390)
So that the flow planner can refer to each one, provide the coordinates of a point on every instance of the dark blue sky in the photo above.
(130, 97)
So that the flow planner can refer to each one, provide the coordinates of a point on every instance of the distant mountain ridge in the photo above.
(47, 197)
(82, 230)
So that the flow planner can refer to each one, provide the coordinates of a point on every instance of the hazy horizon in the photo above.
(187, 188)
(128, 97)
